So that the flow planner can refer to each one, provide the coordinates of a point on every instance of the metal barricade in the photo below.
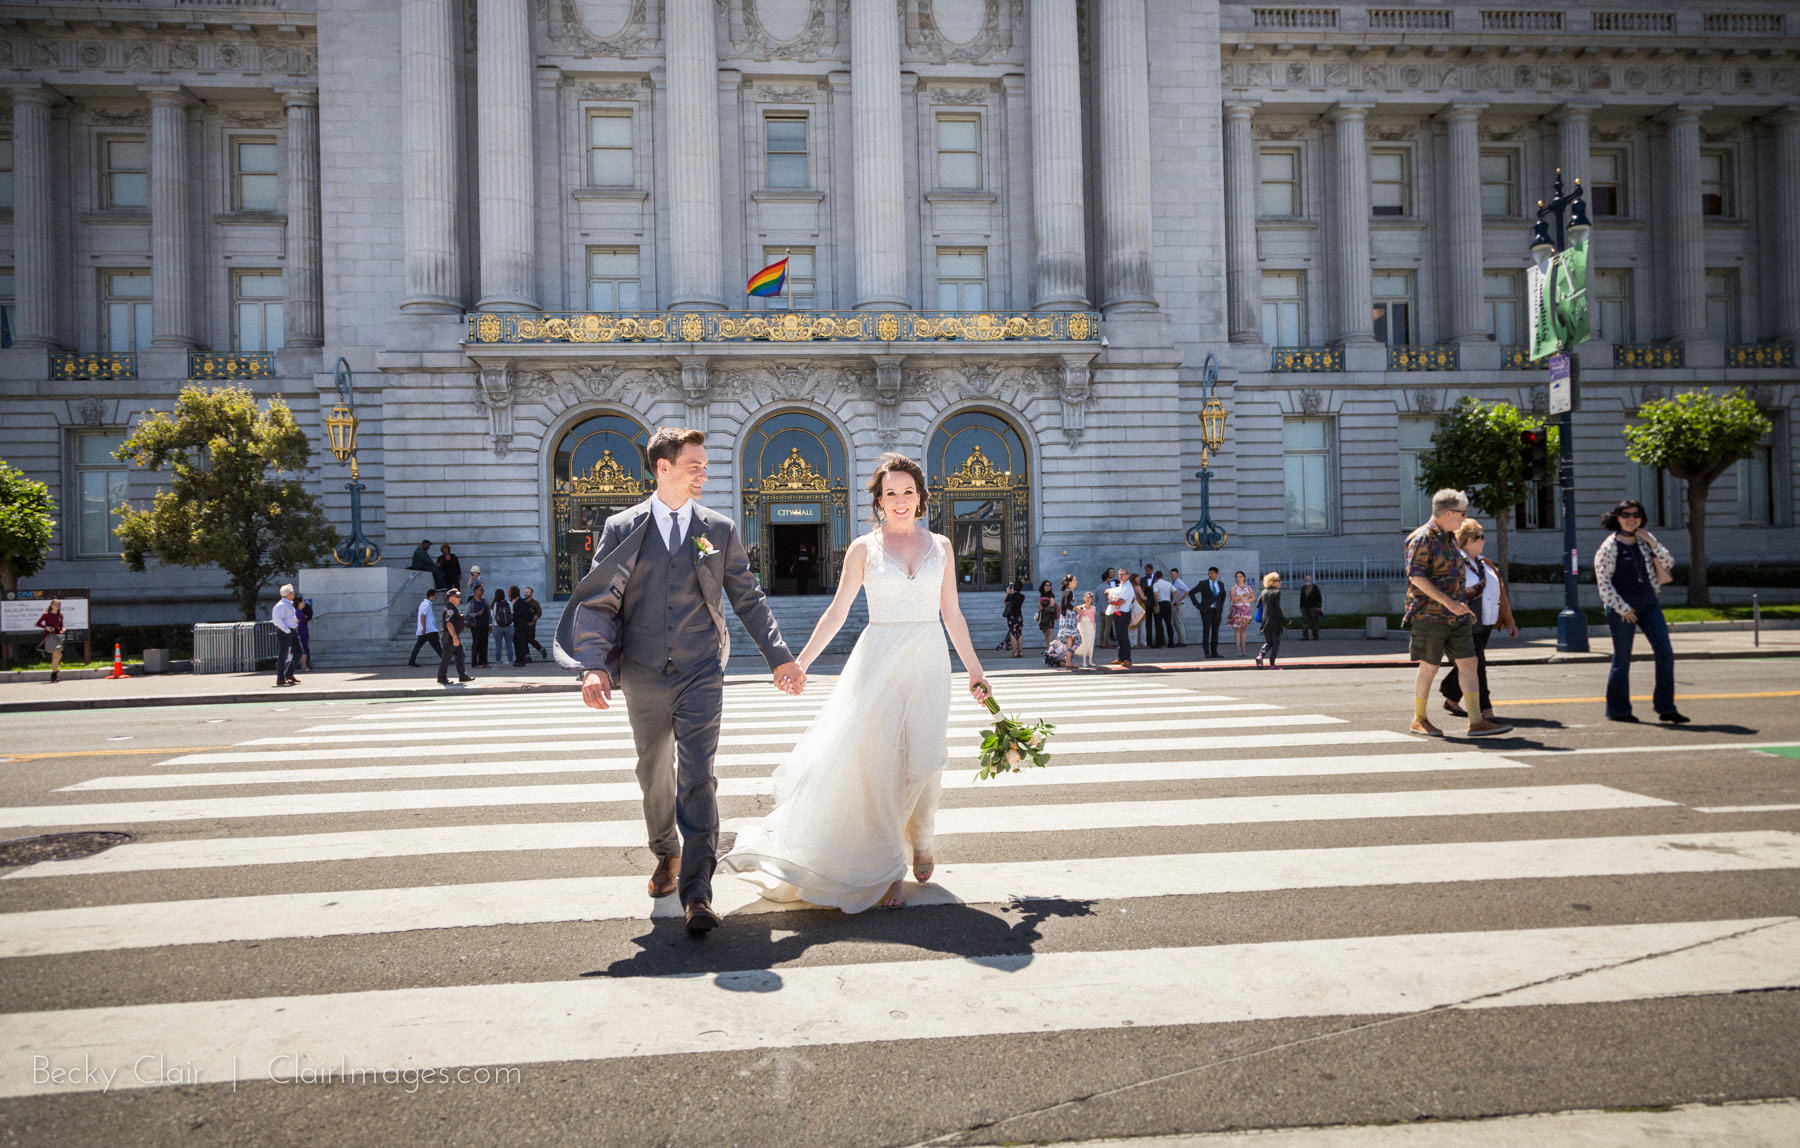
(232, 647)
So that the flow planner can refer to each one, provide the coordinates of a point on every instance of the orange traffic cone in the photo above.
(118, 664)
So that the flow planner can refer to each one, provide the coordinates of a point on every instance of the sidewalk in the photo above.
(1692, 641)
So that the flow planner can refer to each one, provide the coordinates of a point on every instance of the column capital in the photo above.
(167, 95)
(31, 93)
(1463, 110)
(298, 97)
(1675, 113)
(1787, 114)
(1241, 109)
(1578, 107)
(1354, 111)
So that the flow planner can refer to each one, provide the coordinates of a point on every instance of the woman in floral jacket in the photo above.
(1628, 568)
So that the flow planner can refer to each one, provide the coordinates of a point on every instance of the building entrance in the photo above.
(794, 559)
(597, 471)
(796, 519)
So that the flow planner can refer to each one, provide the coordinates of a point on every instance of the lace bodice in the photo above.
(893, 596)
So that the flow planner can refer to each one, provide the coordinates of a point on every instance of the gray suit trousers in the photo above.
(675, 723)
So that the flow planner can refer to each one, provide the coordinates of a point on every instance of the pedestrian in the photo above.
(51, 623)
(305, 612)
(1212, 611)
(480, 618)
(1493, 611)
(427, 628)
(1178, 605)
(1065, 604)
(287, 637)
(1312, 608)
(449, 569)
(503, 627)
(476, 581)
(454, 626)
(1012, 610)
(1084, 631)
(1163, 623)
(1438, 591)
(532, 612)
(1140, 609)
(1046, 611)
(1104, 638)
(521, 628)
(1243, 605)
(1120, 598)
(421, 560)
(1629, 568)
(1268, 610)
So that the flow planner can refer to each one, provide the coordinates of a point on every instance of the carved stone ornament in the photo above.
(91, 414)
(495, 393)
(606, 92)
(121, 117)
(1540, 400)
(1650, 394)
(246, 118)
(1425, 402)
(1277, 131)
(569, 35)
(1310, 400)
(817, 36)
(93, 55)
(184, 56)
(923, 36)
(1394, 132)
(793, 94)
(959, 95)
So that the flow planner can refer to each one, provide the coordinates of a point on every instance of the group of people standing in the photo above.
(511, 620)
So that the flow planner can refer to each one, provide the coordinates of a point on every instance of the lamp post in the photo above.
(1571, 624)
(340, 424)
(1207, 534)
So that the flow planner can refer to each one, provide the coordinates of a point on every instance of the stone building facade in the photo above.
(1016, 231)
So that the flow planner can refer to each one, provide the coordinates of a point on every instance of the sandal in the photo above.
(922, 870)
(895, 897)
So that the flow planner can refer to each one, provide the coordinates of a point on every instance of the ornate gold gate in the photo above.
(984, 510)
(797, 495)
(580, 506)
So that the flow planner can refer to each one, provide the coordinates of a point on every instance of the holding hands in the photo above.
(790, 679)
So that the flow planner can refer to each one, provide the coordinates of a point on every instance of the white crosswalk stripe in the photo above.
(1134, 762)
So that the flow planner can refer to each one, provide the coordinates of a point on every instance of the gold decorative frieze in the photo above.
(1517, 357)
(608, 477)
(978, 474)
(206, 365)
(1647, 356)
(1759, 355)
(492, 327)
(1440, 358)
(794, 473)
(1306, 358)
(72, 365)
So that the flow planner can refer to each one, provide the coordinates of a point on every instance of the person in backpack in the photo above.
(503, 628)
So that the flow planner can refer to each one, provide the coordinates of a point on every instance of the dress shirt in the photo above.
(1120, 598)
(1165, 591)
(1182, 590)
(284, 617)
(683, 514)
(427, 619)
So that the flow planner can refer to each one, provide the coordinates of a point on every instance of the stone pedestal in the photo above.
(362, 615)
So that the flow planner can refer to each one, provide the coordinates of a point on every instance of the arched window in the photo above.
(596, 471)
(796, 519)
(980, 478)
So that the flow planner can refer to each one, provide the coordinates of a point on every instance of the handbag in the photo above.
(1661, 573)
(1257, 617)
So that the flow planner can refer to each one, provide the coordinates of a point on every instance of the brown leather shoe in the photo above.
(1485, 728)
(1424, 726)
(700, 916)
(662, 882)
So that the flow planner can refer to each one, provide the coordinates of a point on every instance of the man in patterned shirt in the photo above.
(1438, 583)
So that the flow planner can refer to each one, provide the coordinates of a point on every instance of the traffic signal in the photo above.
(1534, 451)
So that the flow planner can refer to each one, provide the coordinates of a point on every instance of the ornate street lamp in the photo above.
(1207, 534)
(1548, 238)
(340, 424)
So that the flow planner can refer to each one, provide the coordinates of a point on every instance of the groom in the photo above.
(647, 618)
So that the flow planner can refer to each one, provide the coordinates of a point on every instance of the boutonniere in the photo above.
(702, 548)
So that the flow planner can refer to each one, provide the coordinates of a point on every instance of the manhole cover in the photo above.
(58, 847)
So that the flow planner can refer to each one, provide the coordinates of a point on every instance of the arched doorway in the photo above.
(796, 516)
(980, 478)
(597, 470)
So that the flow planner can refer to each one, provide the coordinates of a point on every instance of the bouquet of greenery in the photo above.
(1011, 745)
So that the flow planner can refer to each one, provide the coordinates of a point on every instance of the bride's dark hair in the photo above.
(889, 462)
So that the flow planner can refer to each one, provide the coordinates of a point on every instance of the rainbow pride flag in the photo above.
(769, 281)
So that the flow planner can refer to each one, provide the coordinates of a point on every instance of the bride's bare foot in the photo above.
(923, 867)
(895, 897)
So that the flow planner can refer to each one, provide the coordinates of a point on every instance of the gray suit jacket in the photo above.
(590, 635)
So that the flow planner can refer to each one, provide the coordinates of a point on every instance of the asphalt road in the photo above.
(1217, 918)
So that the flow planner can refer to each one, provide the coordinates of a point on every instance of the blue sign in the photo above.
(784, 512)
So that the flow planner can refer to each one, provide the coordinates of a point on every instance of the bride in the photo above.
(857, 798)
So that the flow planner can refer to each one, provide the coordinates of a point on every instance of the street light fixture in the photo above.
(341, 425)
(1207, 534)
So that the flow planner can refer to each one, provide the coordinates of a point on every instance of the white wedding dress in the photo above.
(858, 795)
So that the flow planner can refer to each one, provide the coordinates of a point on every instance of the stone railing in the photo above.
(1647, 356)
(1743, 23)
(489, 327)
(1409, 20)
(1635, 22)
(1439, 358)
(208, 365)
(1759, 355)
(1512, 20)
(69, 365)
(1306, 358)
(1285, 18)
(1517, 357)
(1664, 19)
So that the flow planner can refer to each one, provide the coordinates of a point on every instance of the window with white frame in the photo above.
(1306, 467)
(1761, 481)
(801, 292)
(1390, 191)
(1501, 296)
(1393, 293)
(125, 305)
(1604, 189)
(6, 173)
(253, 175)
(1539, 509)
(962, 278)
(1415, 442)
(1278, 183)
(125, 172)
(612, 276)
(1609, 305)
(256, 316)
(1715, 183)
(958, 151)
(1650, 485)
(1500, 184)
(1284, 308)
(1722, 304)
(100, 486)
(609, 154)
(784, 143)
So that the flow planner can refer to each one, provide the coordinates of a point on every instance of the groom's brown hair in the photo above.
(667, 443)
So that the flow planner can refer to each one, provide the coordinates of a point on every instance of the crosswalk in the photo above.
(438, 822)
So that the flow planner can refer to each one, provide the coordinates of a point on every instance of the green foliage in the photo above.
(27, 519)
(236, 500)
(1476, 450)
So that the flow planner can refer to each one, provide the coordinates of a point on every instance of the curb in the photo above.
(236, 697)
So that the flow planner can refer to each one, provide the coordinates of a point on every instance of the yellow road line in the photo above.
(110, 752)
(1646, 697)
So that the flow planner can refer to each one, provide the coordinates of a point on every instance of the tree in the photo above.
(1476, 449)
(1696, 436)
(230, 504)
(27, 518)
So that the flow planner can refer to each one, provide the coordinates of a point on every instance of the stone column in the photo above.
(507, 84)
(171, 246)
(303, 302)
(1350, 216)
(1787, 222)
(1243, 278)
(1687, 228)
(1126, 279)
(34, 259)
(432, 184)
(1463, 236)
(880, 177)
(696, 227)
(1056, 200)
(1573, 154)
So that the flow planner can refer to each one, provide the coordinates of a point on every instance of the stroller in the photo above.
(1057, 652)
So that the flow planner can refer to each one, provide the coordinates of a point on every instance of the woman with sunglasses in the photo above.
(1488, 599)
(1628, 568)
